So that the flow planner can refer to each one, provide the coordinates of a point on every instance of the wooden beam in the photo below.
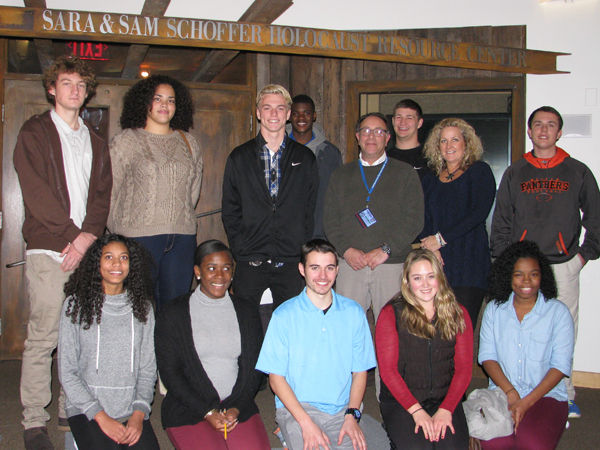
(261, 11)
(265, 11)
(135, 56)
(35, 3)
(43, 47)
(137, 52)
(212, 65)
(45, 52)
(155, 8)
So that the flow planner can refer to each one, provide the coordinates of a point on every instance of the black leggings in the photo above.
(400, 427)
(89, 436)
(472, 299)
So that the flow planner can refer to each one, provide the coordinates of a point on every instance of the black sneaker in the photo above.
(37, 439)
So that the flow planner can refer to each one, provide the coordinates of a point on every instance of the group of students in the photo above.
(206, 345)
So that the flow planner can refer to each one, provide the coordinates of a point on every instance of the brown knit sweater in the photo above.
(156, 183)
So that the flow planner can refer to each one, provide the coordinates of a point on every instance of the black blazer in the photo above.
(191, 394)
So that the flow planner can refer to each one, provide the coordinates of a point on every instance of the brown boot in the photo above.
(37, 439)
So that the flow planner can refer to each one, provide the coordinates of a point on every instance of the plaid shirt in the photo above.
(272, 168)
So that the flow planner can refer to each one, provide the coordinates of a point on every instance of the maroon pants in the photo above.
(246, 435)
(540, 429)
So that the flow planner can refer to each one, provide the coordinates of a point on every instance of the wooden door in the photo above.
(22, 100)
(222, 120)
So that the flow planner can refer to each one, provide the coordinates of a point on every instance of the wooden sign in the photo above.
(364, 45)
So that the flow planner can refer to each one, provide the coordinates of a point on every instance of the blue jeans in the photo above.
(173, 270)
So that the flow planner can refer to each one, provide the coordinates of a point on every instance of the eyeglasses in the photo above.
(379, 132)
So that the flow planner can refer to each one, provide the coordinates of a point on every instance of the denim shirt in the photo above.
(526, 350)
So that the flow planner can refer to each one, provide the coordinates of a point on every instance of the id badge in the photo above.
(365, 218)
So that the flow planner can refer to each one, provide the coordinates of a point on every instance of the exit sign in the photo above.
(89, 50)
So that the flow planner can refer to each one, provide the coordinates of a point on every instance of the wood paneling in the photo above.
(222, 121)
(22, 100)
(280, 70)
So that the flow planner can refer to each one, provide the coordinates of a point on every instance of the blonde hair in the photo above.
(450, 320)
(274, 89)
(473, 145)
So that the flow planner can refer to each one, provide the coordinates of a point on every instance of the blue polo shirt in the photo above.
(316, 352)
(527, 350)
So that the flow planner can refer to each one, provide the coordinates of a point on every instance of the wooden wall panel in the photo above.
(332, 109)
(280, 70)
(306, 77)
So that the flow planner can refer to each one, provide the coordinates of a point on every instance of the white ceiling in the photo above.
(355, 14)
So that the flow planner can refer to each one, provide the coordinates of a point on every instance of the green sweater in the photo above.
(396, 204)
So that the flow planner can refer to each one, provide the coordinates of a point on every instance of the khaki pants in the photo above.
(44, 282)
(567, 283)
(330, 424)
(370, 288)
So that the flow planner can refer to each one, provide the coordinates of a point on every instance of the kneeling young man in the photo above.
(317, 351)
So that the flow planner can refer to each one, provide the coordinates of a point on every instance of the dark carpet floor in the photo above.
(583, 434)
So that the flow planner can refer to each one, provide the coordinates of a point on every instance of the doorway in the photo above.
(495, 107)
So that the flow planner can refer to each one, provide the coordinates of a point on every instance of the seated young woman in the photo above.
(424, 344)
(207, 343)
(526, 347)
(106, 361)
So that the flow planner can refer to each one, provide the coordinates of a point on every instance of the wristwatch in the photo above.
(355, 413)
(386, 248)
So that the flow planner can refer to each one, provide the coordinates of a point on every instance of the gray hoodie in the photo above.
(329, 158)
(109, 367)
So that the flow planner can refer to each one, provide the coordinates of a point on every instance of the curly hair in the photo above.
(500, 279)
(84, 287)
(450, 319)
(138, 101)
(303, 98)
(69, 64)
(473, 146)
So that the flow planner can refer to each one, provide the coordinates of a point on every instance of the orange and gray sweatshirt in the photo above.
(548, 201)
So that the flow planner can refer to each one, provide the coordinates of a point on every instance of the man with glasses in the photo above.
(269, 193)
(407, 120)
(373, 212)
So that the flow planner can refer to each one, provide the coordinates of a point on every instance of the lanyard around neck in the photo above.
(362, 172)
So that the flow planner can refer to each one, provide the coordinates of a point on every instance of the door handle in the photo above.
(15, 264)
